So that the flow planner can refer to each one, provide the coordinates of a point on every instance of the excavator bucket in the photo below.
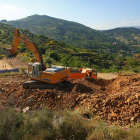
(10, 53)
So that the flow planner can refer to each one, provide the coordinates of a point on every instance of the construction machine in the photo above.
(37, 72)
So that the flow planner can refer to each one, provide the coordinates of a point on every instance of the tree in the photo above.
(48, 60)
(54, 55)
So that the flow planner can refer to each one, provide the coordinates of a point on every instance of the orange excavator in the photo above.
(37, 72)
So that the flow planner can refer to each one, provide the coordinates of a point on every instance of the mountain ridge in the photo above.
(128, 35)
(68, 31)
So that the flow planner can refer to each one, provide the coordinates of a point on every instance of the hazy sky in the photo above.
(97, 14)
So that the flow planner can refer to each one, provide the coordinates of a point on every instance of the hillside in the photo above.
(67, 55)
(138, 27)
(70, 32)
(129, 35)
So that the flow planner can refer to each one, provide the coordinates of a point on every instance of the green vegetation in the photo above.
(45, 124)
(130, 36)
(71, 33)
(10, 74)
(127, 73)
(60, 53)
(22, 70)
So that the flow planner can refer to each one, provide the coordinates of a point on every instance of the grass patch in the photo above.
(72, 126)
(10, 74)
(67, 125)
(22, 69)
(10, 123)
(127, 73)
(25, 58)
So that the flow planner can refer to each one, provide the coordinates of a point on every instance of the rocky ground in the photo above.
(116, 100)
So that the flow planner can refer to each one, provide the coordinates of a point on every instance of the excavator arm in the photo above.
(20, 37)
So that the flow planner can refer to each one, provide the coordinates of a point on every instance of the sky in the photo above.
(97, 14)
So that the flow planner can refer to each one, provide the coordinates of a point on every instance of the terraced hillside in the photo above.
(129, 35)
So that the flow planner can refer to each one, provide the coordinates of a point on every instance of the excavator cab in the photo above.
(34, 69)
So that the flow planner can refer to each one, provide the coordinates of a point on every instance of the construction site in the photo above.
(116, 100)
(113, 97)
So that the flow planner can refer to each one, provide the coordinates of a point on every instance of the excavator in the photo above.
(40, 76)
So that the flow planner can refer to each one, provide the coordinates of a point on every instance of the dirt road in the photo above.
(12, 63)
(107, 76)
(4, 65)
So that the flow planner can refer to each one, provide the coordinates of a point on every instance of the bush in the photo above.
(25, 58)
(32, 59)
(72, 127)
(10, 123)
(39, 125)
(22, 69)
(69, 125)
(104, 132)
(127, 73)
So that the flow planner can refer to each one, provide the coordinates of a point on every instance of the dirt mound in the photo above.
(116, 100)
(120, 103)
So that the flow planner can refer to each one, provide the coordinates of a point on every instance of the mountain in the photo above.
(138, 27)
(72, 33)
(128, 35)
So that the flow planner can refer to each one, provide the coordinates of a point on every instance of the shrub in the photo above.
(2, 55)
(39, 125)
(10, 123)
(72, 127)
(22, 69)
(25, 58)
(127, 73)
(32, 59)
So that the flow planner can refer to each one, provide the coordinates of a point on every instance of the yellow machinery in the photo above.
(37, 71)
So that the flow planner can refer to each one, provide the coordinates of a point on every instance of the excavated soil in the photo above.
(116, 100)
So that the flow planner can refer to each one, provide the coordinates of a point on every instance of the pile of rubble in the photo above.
(116, 100)
(120, 101)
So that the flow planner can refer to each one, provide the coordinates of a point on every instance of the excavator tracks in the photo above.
(32, 84)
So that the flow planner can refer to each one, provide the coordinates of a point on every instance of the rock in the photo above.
(132, 118)
(113, 114)
(25, 109)
(59, 96)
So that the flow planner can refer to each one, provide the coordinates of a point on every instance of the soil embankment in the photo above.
(116, 100)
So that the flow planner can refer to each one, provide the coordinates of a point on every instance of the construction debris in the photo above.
(116, 100)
